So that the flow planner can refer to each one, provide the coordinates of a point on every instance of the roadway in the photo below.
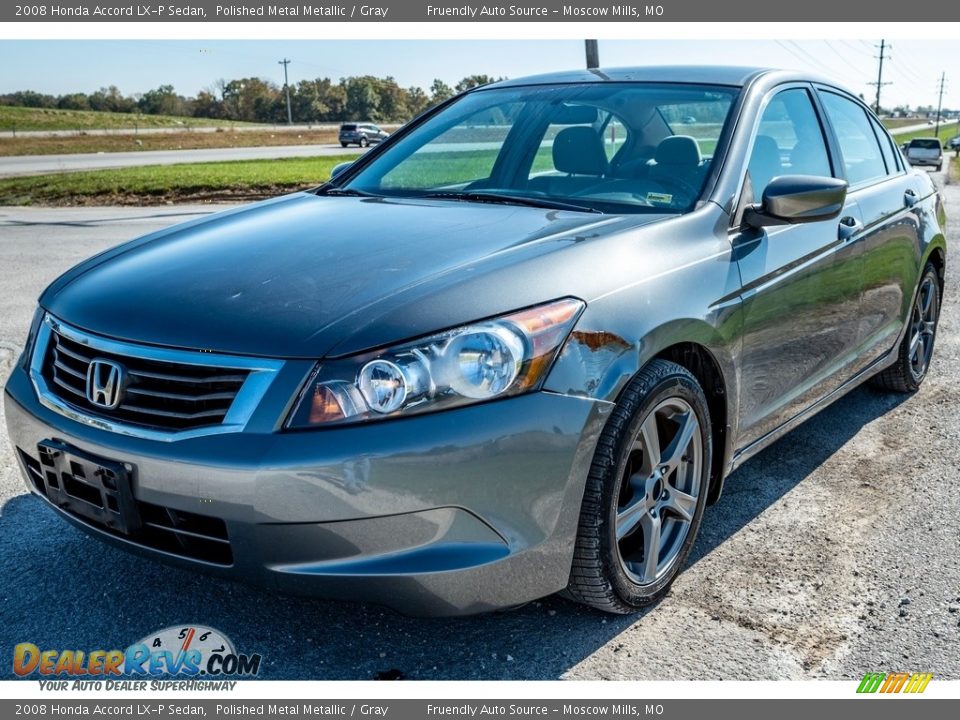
(11, 166)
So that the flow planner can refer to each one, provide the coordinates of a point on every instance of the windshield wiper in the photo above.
(345, 192)
(503, 199)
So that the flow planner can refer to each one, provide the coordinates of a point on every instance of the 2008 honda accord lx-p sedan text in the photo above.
(513, 350)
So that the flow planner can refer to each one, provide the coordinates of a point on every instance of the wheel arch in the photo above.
(702, 364)
(937, 255)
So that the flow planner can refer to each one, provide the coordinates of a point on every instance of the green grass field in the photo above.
(894, 123)
(243, 180)
(23, 119)
(946, 132)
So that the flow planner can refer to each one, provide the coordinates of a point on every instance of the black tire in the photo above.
(939, 167)
(598, 577)
(903, 376)
(363, 142)
(343, 144)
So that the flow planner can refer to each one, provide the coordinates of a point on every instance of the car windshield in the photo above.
(607, 147)
(925, 144)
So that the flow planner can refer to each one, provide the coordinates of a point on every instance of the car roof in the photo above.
(730, 75)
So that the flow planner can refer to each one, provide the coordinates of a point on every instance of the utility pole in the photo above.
(943, 82)
(286, 87)
(880, 83)
(593, 54)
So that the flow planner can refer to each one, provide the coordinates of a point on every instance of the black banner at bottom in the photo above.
(872, 707)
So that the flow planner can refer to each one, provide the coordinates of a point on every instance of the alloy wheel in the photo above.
(923, 326)
(659, 490)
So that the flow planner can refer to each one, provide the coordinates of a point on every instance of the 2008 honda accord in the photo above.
(513, 350)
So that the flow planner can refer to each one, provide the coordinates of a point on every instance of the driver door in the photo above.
(801, 284)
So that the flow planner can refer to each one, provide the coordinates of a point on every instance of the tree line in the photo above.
(254, 99)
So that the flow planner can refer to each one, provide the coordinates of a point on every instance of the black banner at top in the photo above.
(453, 11)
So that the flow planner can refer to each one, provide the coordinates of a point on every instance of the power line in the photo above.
(880, 83)
(822, 66)
(842, 58)
(943, 82)
(286, 88)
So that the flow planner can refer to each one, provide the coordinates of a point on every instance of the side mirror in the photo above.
(793, 199)
(337, 169)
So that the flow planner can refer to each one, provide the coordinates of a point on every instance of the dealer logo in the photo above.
(895, 682)
(194, 651)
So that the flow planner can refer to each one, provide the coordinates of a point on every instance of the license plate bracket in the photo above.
(91, 487)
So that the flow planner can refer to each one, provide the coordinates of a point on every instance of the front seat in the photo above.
(577, 151)
(677, 158)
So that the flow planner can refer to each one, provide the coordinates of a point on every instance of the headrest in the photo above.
(678, 150)
(579, 150)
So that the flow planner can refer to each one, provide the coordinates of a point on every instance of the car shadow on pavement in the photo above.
(64, 590)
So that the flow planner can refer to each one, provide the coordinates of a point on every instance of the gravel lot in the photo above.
(833, 553)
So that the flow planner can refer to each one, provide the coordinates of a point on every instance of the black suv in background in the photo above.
(361, 134)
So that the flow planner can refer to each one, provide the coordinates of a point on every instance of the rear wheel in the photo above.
(916, 348)
(343, 144)
(646, 492)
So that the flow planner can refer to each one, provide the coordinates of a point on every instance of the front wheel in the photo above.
(916, 348)
(363, 142)
(645, 493)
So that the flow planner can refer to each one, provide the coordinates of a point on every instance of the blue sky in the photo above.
(58, 66)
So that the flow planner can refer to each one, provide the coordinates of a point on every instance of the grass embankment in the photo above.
(894, 123)
(186, 140)
(23, 119)
(203, 182)
(946, 132)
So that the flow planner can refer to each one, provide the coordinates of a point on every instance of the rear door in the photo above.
(888, 198)
(801, 283)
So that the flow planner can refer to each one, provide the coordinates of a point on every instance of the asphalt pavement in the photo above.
(832, 553)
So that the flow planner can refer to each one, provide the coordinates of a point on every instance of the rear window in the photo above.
(348, 128)
(925, 144)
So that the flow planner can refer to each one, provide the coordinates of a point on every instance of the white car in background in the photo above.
(925, 151)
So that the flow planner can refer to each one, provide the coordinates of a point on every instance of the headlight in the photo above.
(27, 356)
(494, 358)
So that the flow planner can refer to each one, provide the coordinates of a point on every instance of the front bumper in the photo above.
(450, 513)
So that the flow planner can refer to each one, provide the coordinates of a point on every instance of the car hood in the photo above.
(304, 275)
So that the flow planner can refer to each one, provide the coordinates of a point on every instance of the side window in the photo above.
(862, 156)
(886, 147)
(789, 141)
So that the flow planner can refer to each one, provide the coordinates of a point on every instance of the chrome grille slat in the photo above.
(183, 379)
(60, 366)
(170, 414)
(178, 396)
(70, 388)
(73, 353)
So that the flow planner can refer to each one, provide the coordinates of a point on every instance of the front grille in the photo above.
(186, 534)
(156, 394)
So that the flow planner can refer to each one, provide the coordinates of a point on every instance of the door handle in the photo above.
(910, 197)
(849, 226)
